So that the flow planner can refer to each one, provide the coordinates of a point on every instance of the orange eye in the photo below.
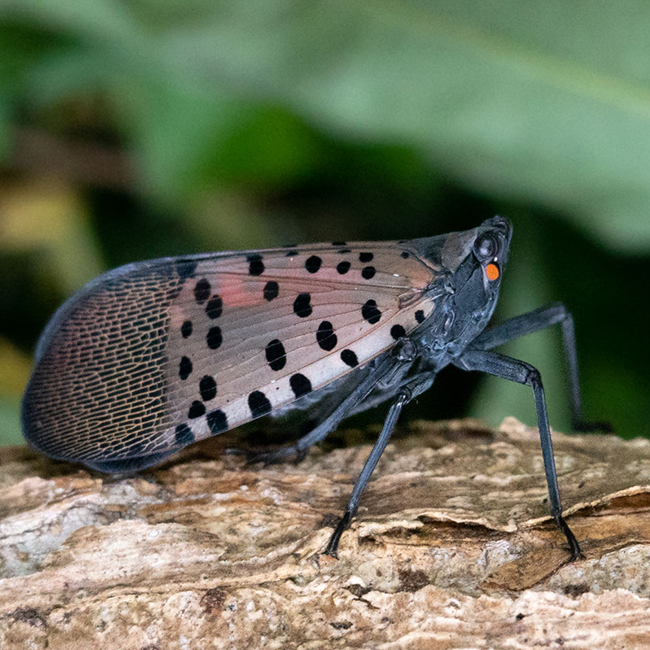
(492, 271)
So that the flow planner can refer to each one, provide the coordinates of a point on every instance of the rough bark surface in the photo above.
(452, 548)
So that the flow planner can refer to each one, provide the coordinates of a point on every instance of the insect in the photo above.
(155, 355)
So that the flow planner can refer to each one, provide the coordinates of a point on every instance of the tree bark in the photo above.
(453, 548)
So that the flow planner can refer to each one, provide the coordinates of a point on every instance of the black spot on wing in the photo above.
(271, 290)
(214, 308)
(217, 421)
(313, 264)
(183, 435)
(300, 385)
(397, 332)
(214, 339)
(325, 336)
(197, 409)
(370, 312)
(302, 306)
(342, 267)
(207, 388)
(259, 404)
(276, 355)
(186, 329)
(349, 358)
(255, 264)
(185, 368)
(202, 290)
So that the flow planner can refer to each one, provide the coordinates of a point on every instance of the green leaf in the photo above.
(93, 21)
(544, 102)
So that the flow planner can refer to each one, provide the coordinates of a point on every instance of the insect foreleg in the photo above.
(523, 373)
(534, 321)
(403, 396)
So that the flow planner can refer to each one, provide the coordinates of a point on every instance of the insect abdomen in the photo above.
(98, 392)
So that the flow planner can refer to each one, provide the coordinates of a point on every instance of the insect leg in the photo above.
(385, 369)
(523, 373)
(534, 321)
(403, 396)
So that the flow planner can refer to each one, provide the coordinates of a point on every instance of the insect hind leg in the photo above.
(403, 397)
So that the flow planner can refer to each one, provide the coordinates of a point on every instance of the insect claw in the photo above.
(332, 546)
(331, 552)
(574, 547)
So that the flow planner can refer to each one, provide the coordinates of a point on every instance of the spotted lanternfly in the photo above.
(152, 356)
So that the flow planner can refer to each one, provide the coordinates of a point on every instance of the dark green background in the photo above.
(133, 129)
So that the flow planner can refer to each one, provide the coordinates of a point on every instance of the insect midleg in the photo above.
(534, 321)
(403, 396)
(385, 368)
(523, 373)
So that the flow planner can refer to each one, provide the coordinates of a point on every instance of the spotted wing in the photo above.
(153, 356)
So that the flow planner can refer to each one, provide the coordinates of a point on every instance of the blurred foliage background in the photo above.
(140, 128)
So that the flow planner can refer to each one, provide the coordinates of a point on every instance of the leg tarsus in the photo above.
(341, 527)
(574, 547)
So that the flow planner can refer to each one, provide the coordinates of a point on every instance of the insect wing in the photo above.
(148, 358)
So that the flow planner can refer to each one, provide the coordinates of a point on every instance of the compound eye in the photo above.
(486, 247)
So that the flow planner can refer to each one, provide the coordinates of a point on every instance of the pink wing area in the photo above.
(154, 356)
